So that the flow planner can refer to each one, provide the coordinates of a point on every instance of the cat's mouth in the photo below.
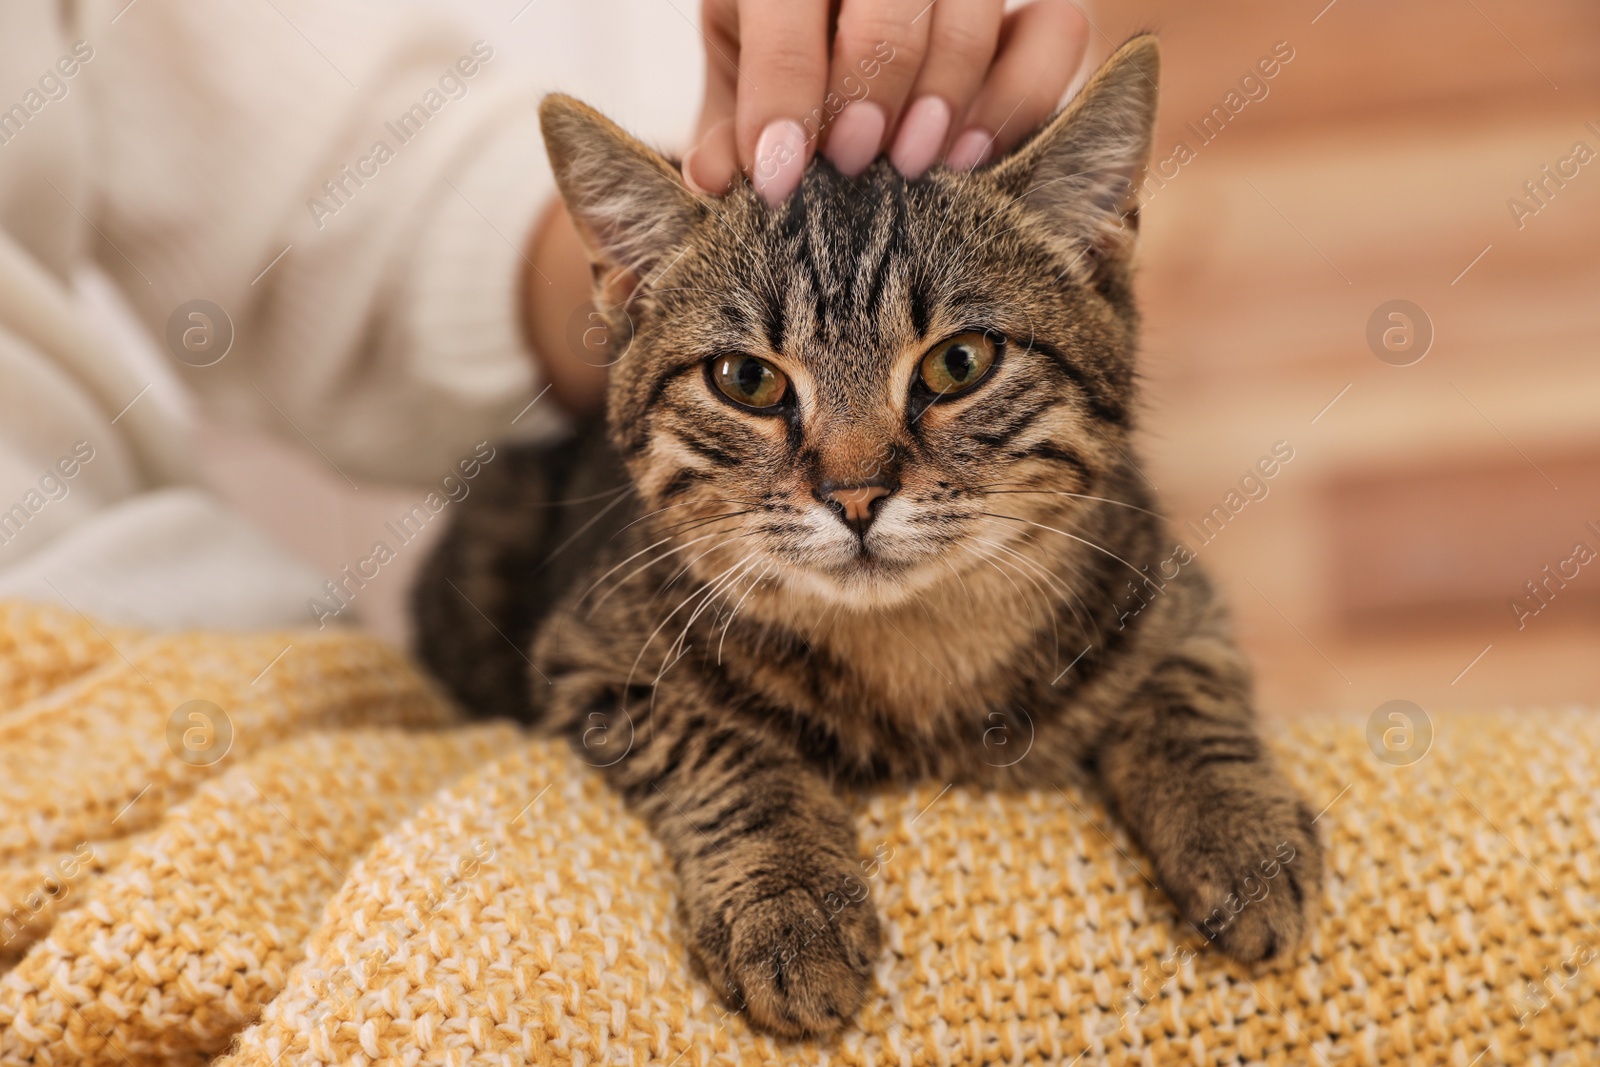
(868, 580)
(870, 574)
(885, 563)
(870, 561)
(866, 552)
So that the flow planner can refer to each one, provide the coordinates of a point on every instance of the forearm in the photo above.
(558, 287)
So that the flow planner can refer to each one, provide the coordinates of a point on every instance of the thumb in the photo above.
(712, 161)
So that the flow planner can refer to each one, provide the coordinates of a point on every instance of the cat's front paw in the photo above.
(1250, 883)
(800, 961)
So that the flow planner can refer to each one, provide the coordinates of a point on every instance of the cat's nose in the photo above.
(857, 505)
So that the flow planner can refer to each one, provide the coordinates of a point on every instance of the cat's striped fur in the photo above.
(733, 654)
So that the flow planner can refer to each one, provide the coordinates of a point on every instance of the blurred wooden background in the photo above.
(1384, 561)
(1378, 167)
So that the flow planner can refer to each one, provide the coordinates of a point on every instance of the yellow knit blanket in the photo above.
(324, 867)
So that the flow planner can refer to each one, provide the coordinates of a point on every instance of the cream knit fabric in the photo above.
(209, 159)
(229, 153)
(356, 881)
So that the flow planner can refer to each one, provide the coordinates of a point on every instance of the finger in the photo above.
(1041, 47)
(877, 51)
(719, 27)
(782, 69)
(961, 45)
(712, 162)
(710, 166)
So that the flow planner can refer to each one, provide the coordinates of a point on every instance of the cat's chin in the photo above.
(865, 583)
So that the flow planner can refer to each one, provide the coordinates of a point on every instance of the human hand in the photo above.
(958, 80)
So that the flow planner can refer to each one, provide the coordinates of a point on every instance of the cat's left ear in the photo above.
(1080, 170)
(629, 203)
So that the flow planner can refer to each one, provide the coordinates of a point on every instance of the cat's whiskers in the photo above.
(1045, 600)
(642, 567)
(677, 529)
(695, 523)
(992, 491)
(725, 588)
(963, 582)
(1063, 533)
(699, 502)
(735, 613)
(648, 548)
(708, 596)
(671, 659)
(1085, 619)
(1049, 576)
(990, 559)
(681, 571)
(684, 504)
(699, 590)
(591, 498)
(996, 560)
(1037, 605)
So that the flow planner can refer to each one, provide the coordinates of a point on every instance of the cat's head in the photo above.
(844, 392)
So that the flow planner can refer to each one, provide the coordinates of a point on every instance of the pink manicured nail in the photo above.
(921, 136)
(971, 150)
(780, 160)
(687, 169)
(856, 134)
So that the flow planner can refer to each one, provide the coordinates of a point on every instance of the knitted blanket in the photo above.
(285, 849)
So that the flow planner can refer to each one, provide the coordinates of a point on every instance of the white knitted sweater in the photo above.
(351, 183)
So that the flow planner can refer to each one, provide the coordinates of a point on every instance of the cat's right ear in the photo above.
(629, 203)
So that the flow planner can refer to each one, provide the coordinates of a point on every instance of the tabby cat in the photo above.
(865, 510)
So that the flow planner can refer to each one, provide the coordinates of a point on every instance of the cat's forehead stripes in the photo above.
(840, 260)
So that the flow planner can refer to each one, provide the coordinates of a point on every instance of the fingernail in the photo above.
(780, 160)
(687, 169)
(971, 150)
(921, 136)
(855, 136)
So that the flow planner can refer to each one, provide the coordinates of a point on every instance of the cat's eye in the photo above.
(746, 380)
(957, 363)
